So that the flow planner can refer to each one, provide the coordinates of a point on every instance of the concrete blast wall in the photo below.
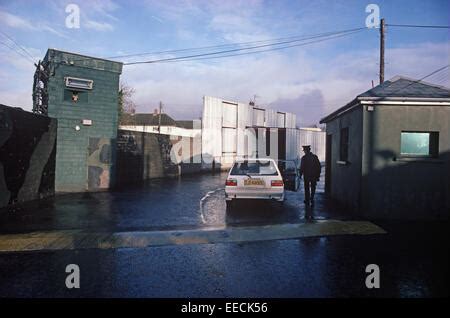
(27, 156)
(142, 156)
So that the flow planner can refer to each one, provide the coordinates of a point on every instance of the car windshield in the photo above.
(260, 167)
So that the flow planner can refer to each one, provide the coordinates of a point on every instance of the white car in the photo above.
(254, 179)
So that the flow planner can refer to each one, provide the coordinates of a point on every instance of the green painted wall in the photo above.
(99, 105)
(346, 177)
(395, 187)
(377, 182)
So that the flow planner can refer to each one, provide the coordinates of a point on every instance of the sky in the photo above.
(310, 81)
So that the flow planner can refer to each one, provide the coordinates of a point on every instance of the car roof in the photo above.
(254, 159)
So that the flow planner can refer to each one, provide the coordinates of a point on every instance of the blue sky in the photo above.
(310, 81)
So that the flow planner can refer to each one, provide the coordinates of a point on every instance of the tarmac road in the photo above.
(174, 238)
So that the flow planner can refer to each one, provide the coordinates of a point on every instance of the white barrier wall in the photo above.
(316, 139)
(211, 128)
(227, 130)
(271, 118)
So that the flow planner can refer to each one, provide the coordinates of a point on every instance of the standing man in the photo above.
(310, 169)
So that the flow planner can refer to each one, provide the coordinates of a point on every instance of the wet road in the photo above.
(413, 257)
(188, 202)
(410, 266)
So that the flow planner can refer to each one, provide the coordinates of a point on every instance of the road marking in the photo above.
(77, 239)
(202, 201)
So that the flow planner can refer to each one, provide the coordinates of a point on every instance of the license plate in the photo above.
(254, 182)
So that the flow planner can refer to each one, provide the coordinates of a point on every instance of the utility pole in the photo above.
(382, 51)
(159, 119)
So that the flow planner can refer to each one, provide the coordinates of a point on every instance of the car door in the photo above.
(290, 175)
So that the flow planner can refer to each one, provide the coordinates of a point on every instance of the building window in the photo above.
(75, 96)
(419, 144)
(343, 153)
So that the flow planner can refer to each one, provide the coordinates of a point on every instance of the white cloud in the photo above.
(154, 17)
(98, 26)
(17, 98)
(15, 21)
(298, 82)
(52, 30)
(20, 64)
(93, 13)
(16, 90)
(103, 7)
(176, 10)
(237, 29)
(233, 21)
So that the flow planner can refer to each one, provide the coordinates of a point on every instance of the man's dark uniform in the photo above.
(310, 169)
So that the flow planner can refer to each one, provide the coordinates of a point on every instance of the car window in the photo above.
(287, 167)
(262, 168)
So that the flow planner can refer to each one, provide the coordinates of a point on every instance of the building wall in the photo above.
(394, 187)
(27, 156)
(99, 105)
(166, 130)
(346, 178)
(229, 131)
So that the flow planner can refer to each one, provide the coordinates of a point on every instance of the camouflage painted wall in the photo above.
(100, 163)
(142, 156)
(27, 156)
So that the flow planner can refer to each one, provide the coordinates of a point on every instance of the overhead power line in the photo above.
(293, 37)
(419, 26)
(327, 36)
(441, 78)
(181, 59)
(421, 79)
(12, 48)
(18, 46)
(434, 72)
(239, 45)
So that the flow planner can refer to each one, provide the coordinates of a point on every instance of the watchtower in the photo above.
(82, 93)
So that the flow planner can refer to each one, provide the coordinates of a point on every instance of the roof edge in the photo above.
(82, 55)
(395, 98)
(398, 77)
(340, 110)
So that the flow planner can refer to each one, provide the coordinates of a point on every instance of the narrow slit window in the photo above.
(343, 153)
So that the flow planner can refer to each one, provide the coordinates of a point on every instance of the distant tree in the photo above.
(126, 103)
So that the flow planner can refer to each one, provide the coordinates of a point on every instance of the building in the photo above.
(81, 92)
(164, 124)
(314, 137)
(232, 129)
(388, 151)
